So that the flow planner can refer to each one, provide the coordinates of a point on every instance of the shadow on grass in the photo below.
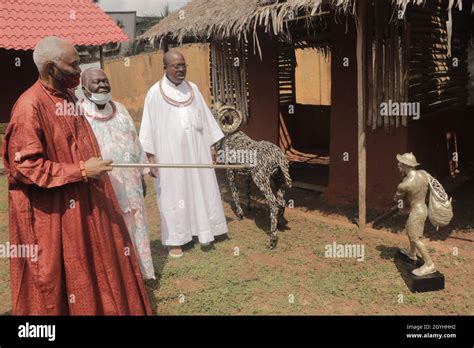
(461, 226)
(387, 253)
(258, 210)
(160, 258)
(260, 214)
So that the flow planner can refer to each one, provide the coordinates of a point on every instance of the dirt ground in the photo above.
(239, 276)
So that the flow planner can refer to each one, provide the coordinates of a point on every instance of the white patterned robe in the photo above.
(118, 141)
(188, 198)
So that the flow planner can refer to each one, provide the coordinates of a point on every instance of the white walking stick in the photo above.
(181, 165)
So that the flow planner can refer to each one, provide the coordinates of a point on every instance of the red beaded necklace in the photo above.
(105, 118)
(177, 103)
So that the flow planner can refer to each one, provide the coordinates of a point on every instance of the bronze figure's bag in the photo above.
(440, 210)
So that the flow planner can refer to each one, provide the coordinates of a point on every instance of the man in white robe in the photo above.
(178, 127)
(118, 140)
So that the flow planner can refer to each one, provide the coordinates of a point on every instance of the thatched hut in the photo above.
(24, 23)
(387, 58)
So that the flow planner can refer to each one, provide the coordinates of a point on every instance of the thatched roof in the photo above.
(201, 20)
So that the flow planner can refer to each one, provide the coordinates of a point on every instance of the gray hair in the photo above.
(48, 50)
(85, 74)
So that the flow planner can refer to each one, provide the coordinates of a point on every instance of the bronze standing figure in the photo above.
(413, 189)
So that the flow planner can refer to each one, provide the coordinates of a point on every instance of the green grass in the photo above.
(262, 282)
(5, 301)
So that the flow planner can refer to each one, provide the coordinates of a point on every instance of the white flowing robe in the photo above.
(188, 198)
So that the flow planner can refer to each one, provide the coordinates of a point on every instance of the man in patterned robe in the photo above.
(118, 140)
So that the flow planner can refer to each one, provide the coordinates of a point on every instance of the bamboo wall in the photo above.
(436, 79)
(387, 69)
(229, 80)
(410, 59)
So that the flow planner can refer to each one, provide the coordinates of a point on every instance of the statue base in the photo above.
(430, 282)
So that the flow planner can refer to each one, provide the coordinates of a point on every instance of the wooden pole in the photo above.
(166, 46)
(101, 55)
(181, 165)
(361, 22)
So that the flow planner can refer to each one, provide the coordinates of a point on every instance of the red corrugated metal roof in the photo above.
(24, 22)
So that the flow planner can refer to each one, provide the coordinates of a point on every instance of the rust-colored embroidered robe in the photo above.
(86, 263)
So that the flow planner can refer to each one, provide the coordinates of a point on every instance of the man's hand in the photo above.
(152, 160)
(96, 167)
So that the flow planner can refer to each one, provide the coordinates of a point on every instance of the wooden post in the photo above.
(361, 23)
(166, 45)
(101, 54)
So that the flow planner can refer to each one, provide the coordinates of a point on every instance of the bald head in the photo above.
(95, 80)
(91, 74)
(175, 66)
(172, 55)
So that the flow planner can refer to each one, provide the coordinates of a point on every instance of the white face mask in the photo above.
(99, 98)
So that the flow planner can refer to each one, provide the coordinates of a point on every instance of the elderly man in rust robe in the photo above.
(60, 201)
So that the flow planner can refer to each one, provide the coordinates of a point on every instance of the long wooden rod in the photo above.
(361, 22)
(181, 165)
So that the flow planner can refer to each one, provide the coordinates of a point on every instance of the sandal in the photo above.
(175, 256)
